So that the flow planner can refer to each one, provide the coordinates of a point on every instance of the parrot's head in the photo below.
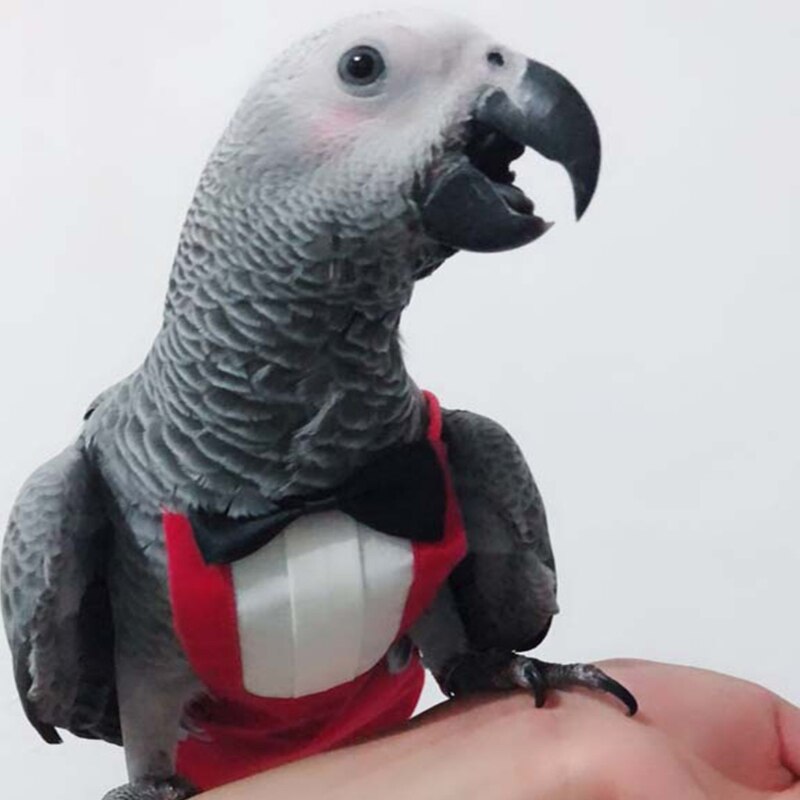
(393, 134)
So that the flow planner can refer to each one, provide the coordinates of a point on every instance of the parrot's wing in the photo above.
(55, 602)
(505, 588)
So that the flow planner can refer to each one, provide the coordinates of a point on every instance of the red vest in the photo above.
(242, 733)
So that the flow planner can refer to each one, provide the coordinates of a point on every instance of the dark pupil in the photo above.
(361, 66)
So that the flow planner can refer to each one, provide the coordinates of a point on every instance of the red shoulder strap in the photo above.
(434, 417)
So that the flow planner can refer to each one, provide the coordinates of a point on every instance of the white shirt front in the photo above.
(320, 604)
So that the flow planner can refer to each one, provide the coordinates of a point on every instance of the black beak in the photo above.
(474, 204)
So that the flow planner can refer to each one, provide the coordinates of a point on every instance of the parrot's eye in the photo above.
(361, 66)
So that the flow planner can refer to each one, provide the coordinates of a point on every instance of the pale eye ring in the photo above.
(362, 66)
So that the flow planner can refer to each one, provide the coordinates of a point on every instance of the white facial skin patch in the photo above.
(319, 605)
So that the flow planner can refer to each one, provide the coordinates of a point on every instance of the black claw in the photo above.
(536, 683)
(490, 670)
(621, 693)
(565, 676)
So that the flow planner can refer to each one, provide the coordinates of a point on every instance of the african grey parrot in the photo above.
(362, 158)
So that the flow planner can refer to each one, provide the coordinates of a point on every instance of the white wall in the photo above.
(646, 359)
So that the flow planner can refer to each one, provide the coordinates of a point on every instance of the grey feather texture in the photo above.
(55, 603)
(505, 589)
(502, 597)
(278, 368)
(277, 371)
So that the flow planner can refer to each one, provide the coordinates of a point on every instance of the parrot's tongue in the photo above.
(492, 153)
(473, 203)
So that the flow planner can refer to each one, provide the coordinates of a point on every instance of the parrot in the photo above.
(224, 550)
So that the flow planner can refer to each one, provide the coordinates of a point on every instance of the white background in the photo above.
(647, 359)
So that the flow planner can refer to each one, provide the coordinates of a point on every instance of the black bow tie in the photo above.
(401, 493)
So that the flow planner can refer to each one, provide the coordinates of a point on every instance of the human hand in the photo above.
(699, 736)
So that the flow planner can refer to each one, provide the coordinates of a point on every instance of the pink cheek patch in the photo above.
(335, 128)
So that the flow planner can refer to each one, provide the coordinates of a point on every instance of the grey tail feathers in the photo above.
(23, 679)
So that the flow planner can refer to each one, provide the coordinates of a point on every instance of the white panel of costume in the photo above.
(320, 604)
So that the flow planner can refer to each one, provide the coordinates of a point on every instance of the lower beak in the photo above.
(466, 208)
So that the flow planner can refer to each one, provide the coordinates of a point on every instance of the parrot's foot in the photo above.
(172, 789)
(484, 671)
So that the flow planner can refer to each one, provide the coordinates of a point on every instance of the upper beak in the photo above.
(471, 207)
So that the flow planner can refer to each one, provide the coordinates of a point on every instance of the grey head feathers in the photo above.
(278, 368)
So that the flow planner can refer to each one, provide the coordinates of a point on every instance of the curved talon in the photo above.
(596, 678)
(564, 676)
(535, 683)
(616, 689)
(491, 670)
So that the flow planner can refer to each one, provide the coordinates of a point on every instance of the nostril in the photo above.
(495, 57)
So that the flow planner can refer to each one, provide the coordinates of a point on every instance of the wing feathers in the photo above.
(55, 604)
(505, 588)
